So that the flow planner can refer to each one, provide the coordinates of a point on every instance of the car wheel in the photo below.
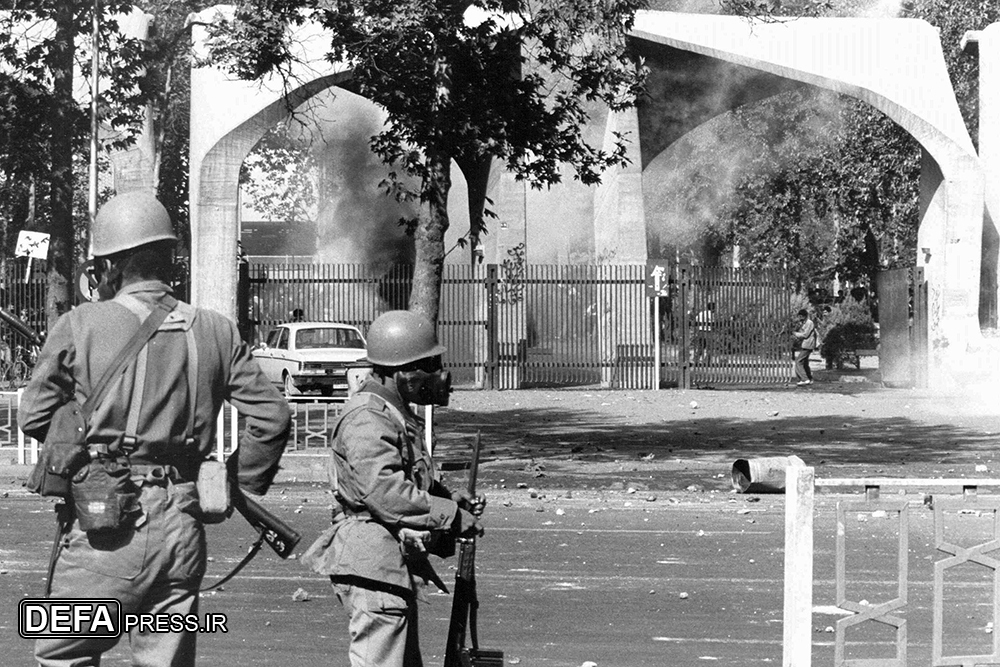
(290, 388)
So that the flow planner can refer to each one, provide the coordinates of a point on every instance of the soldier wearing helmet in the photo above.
(391, 508)
(157, 420)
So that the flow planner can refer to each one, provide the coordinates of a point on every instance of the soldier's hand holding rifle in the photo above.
(468, 502)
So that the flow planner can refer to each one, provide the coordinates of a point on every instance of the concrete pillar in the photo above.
(215, 225)
(619, 232)
(619, 213)
(133, 168)
(949, 247)
(989, 156)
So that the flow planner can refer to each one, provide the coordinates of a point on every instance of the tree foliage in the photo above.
(514, 87)
(828, 185)
(45, 70)
(279, 175)
(46, 125)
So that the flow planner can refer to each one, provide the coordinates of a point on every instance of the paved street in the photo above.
(596, 551)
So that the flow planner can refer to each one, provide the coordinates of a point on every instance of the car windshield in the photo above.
(306, 339)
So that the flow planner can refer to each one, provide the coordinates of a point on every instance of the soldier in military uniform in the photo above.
(195, 361)
(391, 507)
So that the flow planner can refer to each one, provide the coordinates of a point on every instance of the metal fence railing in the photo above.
(738, 322)
(518, 325)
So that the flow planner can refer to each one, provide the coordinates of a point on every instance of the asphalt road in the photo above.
(633, 551)
(609, 577)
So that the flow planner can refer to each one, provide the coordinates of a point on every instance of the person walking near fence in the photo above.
(147, 438)
(805, 341)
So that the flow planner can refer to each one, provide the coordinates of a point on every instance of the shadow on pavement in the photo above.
(837, 439)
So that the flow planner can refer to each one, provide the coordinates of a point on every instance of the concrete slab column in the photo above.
(989, 156)
(619, 213)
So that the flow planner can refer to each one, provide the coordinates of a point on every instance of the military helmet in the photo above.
(128, 221)
(399, 337)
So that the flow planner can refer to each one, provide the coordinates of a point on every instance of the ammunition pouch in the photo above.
(105, 498)
(63, 454)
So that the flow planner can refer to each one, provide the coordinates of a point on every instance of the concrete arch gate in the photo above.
(896, 65)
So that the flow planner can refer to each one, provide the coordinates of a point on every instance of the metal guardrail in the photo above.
(311, 422)
(800, 485)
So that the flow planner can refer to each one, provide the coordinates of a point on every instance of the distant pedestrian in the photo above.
(804, 342)
(704, 324)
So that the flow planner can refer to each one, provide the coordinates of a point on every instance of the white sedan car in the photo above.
(311, 356)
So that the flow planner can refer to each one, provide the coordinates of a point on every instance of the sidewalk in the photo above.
(671, 440)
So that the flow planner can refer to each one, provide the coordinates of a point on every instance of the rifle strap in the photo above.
(149, 326)
(63, 521)
(254, 548)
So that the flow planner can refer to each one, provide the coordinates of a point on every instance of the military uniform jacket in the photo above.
(384, 480)
(83, 344)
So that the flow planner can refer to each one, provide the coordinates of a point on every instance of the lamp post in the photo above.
(95, 66)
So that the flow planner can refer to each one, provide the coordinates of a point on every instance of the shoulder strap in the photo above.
(393, 410)
(131, 349)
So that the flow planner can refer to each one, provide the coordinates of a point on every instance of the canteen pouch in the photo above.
(63, 454)
(104, 496)
(214, 501)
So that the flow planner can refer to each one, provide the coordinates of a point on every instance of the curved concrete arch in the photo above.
(214, 186)
(897, 66)
(228, 118)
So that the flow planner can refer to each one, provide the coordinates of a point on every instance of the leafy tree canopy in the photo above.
(512, 81)
(827, 185)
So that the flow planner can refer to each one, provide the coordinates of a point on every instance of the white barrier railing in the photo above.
(311, 423)
(226, 433)
(800, 486)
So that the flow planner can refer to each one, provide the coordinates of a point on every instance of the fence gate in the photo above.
(903, 327)
(560, 325)
(725, 326)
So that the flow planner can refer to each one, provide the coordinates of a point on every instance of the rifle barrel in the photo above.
(19, 325)
(474, 468)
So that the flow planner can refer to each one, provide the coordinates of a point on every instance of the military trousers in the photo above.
(154, 567)
(383, 625)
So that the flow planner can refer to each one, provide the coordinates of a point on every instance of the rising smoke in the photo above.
(356, 222)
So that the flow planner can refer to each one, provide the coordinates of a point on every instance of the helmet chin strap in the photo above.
(110, 279)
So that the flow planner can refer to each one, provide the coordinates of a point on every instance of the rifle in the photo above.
(465, 604)
(281, 537)
(18, 325)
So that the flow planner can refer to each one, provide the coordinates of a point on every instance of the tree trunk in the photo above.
(60, 268)
(425, 298)
(477, 176)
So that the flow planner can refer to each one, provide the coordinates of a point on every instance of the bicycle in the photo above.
(13, 375)
(15, 369)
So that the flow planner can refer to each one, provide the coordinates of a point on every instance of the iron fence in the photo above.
(22, 294)
(737, 324)
(516, 326)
